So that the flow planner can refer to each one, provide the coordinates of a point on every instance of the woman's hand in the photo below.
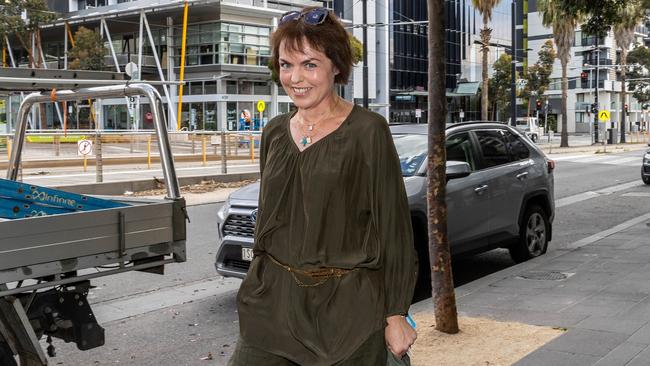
(399, 335)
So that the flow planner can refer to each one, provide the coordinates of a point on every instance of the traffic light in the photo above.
(594, 108)
(538, 105)
(627, 111)
(584, 76)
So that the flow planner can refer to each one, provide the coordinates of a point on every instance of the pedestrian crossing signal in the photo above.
(603, 115)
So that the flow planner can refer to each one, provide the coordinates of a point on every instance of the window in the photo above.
(459, 148)
(231, 86)
(518, 148)
(261, 88)
(493, 147)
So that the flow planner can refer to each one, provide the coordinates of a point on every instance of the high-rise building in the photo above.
(587, 53)
(409, 53)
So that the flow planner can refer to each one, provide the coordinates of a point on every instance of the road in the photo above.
(188, 316)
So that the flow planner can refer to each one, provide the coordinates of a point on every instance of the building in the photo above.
(585, 55)
(227, 52)
(409, 54)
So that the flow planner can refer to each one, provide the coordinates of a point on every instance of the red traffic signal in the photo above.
(538, 104)
(583, 75)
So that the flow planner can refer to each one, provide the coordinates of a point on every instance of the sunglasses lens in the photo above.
(316, 16)
(287, 17)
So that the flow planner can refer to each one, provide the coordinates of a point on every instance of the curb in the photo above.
(119, 187)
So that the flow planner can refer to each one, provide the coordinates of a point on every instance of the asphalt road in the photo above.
(188, 316)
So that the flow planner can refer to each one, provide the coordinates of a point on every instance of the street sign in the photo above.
(131, 69)
(418, 113)
(261, 106)
(84, 147)
(603, 115)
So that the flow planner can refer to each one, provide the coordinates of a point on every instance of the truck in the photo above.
(530, 127)
(45, 260)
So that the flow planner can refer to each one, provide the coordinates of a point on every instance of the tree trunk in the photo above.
(484, 91)
(444, 298)
(30, 56)
(623, 92)
(564, 136)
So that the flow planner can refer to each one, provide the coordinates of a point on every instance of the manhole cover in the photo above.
(544, 276)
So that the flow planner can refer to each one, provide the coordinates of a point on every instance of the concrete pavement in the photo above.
(597, 288)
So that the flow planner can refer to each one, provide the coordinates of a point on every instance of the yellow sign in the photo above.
(261, 106)
(603, 115)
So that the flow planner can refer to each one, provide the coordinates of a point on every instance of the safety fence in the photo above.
(81, 148)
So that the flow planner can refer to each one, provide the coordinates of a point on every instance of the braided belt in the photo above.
(321, 274)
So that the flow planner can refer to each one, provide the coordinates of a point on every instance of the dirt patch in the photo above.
(205, 186)
(480, 342)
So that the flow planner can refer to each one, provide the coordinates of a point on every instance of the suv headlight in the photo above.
(221, 214)
(646, 158)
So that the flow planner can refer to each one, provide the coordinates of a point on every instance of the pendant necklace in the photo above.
(309, 130)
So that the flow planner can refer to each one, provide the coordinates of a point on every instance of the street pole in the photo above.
(596, 95)
(513, 84)
(546, 116)
(365, 53)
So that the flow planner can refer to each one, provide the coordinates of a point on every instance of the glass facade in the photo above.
(224, 43)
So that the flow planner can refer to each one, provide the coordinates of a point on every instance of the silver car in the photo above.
(499, 194)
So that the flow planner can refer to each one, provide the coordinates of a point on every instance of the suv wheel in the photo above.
(646, 179)
(533, 235)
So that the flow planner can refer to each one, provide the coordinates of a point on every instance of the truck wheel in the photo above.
(533, 235)
(6, 355)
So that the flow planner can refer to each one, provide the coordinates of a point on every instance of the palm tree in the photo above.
(631, 15)
(444, 298)
(485, 8)
(564, 24)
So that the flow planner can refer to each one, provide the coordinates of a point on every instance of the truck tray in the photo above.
(145, 230)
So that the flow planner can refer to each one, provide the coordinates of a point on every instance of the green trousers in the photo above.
(372, 352)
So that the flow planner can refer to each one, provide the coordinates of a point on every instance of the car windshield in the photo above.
(412, 150)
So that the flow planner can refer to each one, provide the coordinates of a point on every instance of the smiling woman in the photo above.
(333, 267)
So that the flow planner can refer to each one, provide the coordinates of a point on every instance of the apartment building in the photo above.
(585, 55)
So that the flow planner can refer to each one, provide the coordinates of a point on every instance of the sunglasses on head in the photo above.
(312, 17)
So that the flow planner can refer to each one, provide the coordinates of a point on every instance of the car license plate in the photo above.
(247, 254)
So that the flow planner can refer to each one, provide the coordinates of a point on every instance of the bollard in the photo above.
(99, 169)
(57, 145)
(193, 145)
(252, 146)
(224, 163)
(204, 150)
(149, 152)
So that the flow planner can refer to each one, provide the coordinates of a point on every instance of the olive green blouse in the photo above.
(340, 203)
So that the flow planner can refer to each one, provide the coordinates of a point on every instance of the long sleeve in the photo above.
(392, 222)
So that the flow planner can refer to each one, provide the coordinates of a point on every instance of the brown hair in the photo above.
(328, 37)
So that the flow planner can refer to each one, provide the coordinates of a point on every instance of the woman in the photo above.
(334, 266)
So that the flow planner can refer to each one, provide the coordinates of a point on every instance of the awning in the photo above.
(465, 89)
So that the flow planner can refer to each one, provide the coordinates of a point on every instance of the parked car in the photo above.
(499, 194)
(645, 167)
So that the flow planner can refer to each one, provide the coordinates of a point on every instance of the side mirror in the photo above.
(457, 169)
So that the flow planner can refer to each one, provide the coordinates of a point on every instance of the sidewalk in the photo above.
(598, 289)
